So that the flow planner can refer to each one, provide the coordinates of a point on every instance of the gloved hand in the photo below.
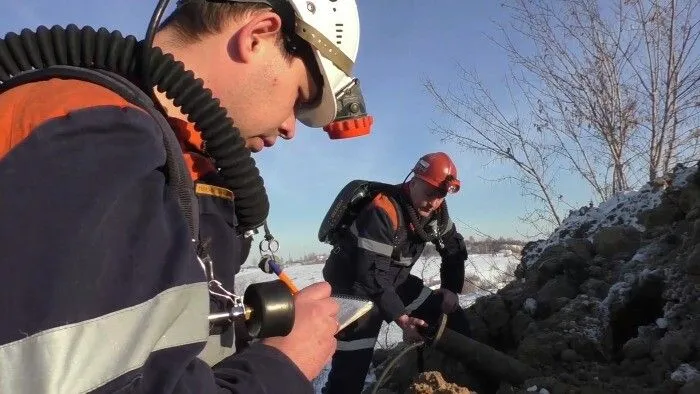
(409, 326)
(449, 300)
(454, 248)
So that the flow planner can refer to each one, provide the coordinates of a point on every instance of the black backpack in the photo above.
(351, 199)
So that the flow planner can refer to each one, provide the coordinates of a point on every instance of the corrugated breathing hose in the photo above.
(110, 51)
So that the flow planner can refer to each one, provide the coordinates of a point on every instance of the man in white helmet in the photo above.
(107, 293)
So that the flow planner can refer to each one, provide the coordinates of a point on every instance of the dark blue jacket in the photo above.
(100, 290)
(376, 253)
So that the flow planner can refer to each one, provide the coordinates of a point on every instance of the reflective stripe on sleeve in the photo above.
(82, 356)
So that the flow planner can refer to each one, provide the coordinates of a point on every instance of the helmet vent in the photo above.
(338, 33)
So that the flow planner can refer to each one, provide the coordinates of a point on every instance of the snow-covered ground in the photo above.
(620, 209)
(488, 268)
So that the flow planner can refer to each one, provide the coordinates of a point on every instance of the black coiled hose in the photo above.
(109, 50)
(419, 223)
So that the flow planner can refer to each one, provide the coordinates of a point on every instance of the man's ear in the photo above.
(256, 35)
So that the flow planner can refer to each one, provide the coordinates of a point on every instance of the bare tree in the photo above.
(667, 70)
(574, 74)
(428, 273)
(606, 90)
(500, 135)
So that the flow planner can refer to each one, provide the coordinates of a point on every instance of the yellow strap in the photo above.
(327, 48)
(215, 191)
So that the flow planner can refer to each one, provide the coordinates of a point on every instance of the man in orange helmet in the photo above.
(373, 255)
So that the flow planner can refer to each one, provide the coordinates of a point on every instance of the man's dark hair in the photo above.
(193, 20)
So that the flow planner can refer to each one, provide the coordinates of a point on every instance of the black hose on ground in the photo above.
(392, 364)
(473, 355)
(478, 356)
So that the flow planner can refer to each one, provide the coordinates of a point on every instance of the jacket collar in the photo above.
(192, 145)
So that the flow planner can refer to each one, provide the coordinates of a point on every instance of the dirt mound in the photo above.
(609, 303)
(434, 383)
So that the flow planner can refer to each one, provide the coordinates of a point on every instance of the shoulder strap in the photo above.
(400, 228)
(177, 173)
(399, 212)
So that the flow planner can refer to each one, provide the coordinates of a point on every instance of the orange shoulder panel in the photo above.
(382, 201)
(27, 106)
(191, 145)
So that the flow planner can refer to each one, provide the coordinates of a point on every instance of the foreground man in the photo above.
(102, 288)
(373, 258)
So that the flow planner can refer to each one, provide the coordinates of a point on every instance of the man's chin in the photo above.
(255, 145)
(424, 214)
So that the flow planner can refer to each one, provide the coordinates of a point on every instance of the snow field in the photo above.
(489, 269)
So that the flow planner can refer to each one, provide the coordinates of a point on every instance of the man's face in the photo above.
(270, 86)
(425, 197)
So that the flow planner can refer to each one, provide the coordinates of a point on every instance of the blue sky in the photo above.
(402, 41)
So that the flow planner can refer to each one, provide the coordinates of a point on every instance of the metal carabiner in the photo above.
(271, 245)
(233, 305)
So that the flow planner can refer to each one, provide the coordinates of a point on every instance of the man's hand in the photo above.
(311, 343)
(409, 326)
(449, 300)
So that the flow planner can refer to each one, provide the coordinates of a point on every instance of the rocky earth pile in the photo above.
(434, 383)
(607, 304)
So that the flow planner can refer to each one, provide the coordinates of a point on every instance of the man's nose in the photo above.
(288, 128)
(434, 202)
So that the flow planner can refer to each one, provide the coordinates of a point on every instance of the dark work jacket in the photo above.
(100, 287)
(376, 253)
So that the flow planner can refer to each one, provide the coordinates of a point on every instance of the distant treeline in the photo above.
(487, 246)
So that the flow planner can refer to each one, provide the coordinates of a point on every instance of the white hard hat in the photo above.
(332, 29)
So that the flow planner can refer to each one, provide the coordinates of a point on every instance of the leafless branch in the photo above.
(605, 90)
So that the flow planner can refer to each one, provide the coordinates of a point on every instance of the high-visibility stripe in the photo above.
(80, 357)
(404, 261)
(374, 246)
(357, 344)
(214, 351)
(371, 245)
(424, 294)
(448, 226)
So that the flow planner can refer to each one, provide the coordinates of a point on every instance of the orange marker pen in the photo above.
(269, 265)
(288, 281)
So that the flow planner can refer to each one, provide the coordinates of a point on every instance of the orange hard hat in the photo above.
(438, 170)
